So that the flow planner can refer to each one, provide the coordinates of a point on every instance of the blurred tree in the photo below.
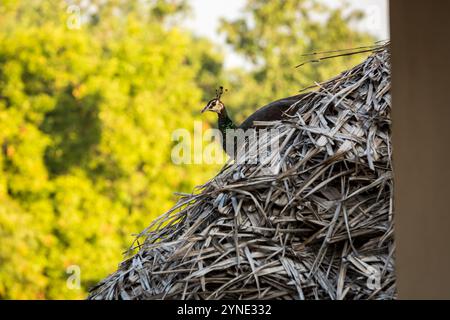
(271, 36)
(87, 115)
(208, 60)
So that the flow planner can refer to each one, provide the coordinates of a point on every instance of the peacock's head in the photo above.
(215, 105)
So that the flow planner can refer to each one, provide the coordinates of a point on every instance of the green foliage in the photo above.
(86, 118)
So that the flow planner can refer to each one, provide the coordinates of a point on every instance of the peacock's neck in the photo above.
(224, 123)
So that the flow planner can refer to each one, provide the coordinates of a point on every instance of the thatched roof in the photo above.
(313, 222)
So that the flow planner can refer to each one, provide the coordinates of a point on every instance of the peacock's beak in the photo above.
(205, 108)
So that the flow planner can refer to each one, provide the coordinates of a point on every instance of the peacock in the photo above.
(270, 112)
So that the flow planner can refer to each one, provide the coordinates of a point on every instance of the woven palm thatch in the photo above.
(314, 221)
